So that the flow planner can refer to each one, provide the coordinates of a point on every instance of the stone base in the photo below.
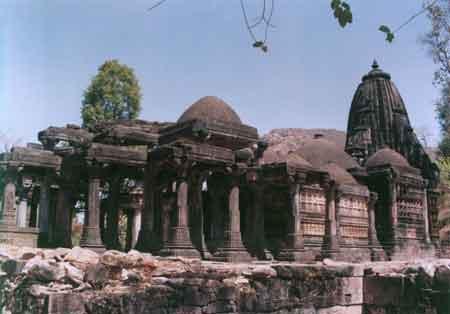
(234, 255)
(266, 255)
(302, 256)
(96, 248)
(180, 244)
(331, 254)
(205, 254)
(148, 241)
(25, 237)
(177, 250)
(411, 250)
(378, 254)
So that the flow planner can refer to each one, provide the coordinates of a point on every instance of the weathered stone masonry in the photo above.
(207, 186)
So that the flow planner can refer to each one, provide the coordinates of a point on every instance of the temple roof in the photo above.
(378, 116)
(210, 108)
(376, 72)
(319, 152)
(387, 156)
(339, 175)
(378, 119)
(273, 156)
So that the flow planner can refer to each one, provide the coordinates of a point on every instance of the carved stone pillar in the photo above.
(232, 249)
(90, 237)
(215, 192)
(332, 243)
(166, 201)
(393, 186)
(63, 217)
(21, 218)
(426, 217)
(197, 215)
(44, 207)
(112, 216)
(9, 201)
(180, 243)
(377, 251)
(148, 240)
(294, 250)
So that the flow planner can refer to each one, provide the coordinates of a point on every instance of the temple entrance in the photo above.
(276, 204)
(383, 222)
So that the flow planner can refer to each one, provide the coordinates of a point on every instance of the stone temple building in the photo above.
(208, 186)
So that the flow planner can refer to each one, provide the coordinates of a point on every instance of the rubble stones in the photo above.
(81, 257)
(134, 282)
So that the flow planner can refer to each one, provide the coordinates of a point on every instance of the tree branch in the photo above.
(156, 5)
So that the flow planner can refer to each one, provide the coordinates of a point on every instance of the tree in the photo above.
(437, 39)
(114, 93)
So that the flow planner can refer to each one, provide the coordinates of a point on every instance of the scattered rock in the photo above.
(96, 275)
(130, 277)
(27, 253)
(74, 274)
(46, 271)
(113, 258)
(81, 257)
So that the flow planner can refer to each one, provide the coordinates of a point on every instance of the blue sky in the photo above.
(183, 50)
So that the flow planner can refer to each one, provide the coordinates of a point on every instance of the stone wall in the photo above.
(80, 281)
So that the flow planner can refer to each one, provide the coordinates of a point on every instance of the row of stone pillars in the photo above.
(230, 247)
(91, 235)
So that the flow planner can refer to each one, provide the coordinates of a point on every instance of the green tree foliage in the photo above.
(437, 40)
(2, 186)
(114, 93)
(444, 167)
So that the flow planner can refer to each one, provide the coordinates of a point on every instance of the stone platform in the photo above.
(12, 235)
(81, 281)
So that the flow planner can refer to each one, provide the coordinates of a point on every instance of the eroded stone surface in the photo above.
(115, 282)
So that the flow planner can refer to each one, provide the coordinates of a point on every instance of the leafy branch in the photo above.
(342, 12)
(390, 34)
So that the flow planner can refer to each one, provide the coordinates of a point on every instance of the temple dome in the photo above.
(319, 152)
(339, 175)
(210, 108)
(387, 156)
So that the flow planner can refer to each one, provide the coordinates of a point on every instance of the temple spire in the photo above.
(375, 64)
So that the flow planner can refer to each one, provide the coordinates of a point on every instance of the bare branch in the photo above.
(425, 9)
(156, 5)
(247, 24)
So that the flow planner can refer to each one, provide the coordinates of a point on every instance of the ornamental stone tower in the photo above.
(378, 119)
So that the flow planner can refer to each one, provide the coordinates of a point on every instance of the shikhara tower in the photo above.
(378, 119)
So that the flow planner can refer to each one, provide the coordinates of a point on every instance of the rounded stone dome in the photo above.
(386, 156)
(339, 175)
(319, 152)
(210, 108)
